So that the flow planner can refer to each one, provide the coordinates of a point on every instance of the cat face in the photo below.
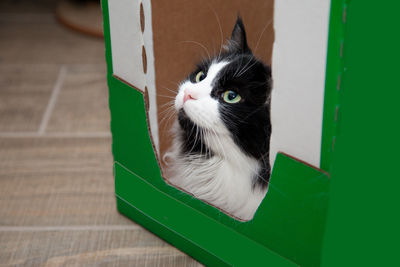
(195, 96)
(229, 94)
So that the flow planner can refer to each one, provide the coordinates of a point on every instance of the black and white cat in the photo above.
(220, 151)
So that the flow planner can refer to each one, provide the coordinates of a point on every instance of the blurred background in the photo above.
(57, 203)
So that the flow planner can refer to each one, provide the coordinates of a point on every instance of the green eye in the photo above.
(231, 97)
(200, 76)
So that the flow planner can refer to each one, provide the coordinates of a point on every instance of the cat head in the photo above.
(228, 92)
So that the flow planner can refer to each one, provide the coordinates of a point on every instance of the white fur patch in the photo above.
(204, 110)
(224, 180)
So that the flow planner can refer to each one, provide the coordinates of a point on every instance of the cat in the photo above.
(220, 149)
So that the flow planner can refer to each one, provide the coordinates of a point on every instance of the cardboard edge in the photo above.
(146, 100)
(333, 77)
(305, 163)
(158, 230)
(162, 171)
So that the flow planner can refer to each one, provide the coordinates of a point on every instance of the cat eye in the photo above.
(231, 97)
(200, 76)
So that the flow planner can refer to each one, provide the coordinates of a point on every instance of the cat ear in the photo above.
(238, 41)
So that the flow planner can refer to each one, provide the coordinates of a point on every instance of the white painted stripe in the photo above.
(55, 135)
(126, 45)
(298, 72)
(53, 99)
(126, 41)
(69, 228)
(150, 76)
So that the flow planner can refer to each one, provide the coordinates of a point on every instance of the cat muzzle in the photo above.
(187, 96)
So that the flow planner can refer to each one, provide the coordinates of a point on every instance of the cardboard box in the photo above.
(152, 44)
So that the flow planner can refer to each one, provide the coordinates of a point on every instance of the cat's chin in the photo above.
(196, 120)
(183, 116)
(204, 114)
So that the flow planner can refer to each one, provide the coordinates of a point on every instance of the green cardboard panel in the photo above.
(131, 142)
(287, 229)
(290, 220)
(286, 222)
(363, 219)
(204, 238)
(333, 82)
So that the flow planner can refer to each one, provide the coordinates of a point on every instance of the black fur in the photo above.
(249, 120)
(238, 41)
(192, 140)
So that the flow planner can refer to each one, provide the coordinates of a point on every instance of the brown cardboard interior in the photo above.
(181, 29)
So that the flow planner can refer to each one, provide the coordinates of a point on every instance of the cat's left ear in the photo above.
(238, 41)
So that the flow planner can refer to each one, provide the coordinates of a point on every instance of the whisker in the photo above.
(202, 138)
(239, 68)
(195, 137)
(166, 96)
(166, 118)
(172, 91)
(167, 112)
(167, 108)
(194, 42)
(269, 23)
(167, 104)
(220, 29)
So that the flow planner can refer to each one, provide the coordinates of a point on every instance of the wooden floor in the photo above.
(57, 205)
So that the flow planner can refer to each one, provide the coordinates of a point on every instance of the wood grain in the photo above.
(57, 203)
(41, 40)
(84, 248)
(27, 6)
(24, 93)
(57, 181)
(83, 102)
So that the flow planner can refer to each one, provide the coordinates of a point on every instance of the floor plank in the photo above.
(42, 40)
(89, 248)
(82, 105)
(57, 181)
(57, 203)
(24, 94)
(27, 6)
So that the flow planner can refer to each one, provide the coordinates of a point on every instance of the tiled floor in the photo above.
(56, 185)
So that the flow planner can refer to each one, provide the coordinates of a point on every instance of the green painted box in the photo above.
(290, 226)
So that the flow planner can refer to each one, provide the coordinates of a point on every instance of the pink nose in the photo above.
(187, 96)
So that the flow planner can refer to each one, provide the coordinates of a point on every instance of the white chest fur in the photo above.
(224, 180)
